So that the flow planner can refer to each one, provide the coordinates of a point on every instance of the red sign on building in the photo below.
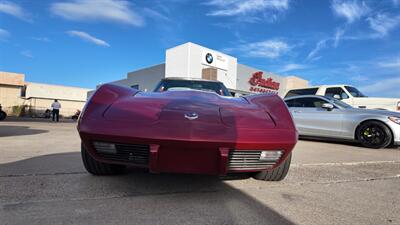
(257, 81)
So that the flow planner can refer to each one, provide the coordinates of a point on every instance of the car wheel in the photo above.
(98, 168)
(277, 174)
(374, 134)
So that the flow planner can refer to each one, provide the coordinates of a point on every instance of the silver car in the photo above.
(326, 117)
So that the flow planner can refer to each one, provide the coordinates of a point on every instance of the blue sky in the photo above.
(86, 42)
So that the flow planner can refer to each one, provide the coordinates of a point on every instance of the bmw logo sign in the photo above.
(209, 58)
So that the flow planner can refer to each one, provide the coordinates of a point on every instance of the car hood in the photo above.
(172, 106)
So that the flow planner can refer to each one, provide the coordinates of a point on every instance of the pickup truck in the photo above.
(349, 95)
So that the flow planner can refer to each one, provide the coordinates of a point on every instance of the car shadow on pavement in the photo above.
(340, 141)
(6, 130)
(64, 190)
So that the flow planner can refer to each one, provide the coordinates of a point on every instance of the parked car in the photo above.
(3, 114)
(186, 126)
(349, 95)
(327, 117)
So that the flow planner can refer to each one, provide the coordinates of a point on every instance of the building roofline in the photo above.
(145, 68)
(188, 78)
(57, 85)
(62, 99)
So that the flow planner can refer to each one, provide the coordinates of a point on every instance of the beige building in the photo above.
(11, 85)
(18, 97)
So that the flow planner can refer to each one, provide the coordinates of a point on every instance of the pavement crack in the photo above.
(42, 174)
(368, 179)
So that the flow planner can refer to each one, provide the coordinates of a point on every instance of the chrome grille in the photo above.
(249, 159)
(132, 153)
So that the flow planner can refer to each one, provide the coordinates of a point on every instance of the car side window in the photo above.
(290, 103)
(336, 91)
(308, 102)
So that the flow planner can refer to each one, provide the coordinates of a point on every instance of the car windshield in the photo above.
(339, 103)
(354, 91)
(202, 85)
(305, 91)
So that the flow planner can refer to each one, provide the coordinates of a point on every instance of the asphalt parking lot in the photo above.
(42, 181)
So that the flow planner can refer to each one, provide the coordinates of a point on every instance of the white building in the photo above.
(194, 61)
(39, 97)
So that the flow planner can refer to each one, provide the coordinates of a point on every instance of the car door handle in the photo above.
(296, 111)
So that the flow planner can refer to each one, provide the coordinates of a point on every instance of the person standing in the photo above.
(56, 106)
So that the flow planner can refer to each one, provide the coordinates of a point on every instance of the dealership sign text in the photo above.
(257, 80)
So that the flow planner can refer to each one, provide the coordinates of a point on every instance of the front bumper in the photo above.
(395, 128)
(193, 153)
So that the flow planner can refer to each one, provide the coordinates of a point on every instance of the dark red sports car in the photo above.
(186, 126)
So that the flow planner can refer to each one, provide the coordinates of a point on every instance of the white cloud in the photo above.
(386, 88)
(100, 10)
(4, 34)
(338, 35)
(383, 23)
(359, 78)
(154, 14)
(263, 49)
(291, 67)
(394, 63)
(27, 54)
(13, 9)
(357, 73)
(87, 37)
(350, 10)
(239, 7)
(313, 54)
(44, 39)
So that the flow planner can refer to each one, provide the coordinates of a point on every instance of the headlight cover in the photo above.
(394, 119)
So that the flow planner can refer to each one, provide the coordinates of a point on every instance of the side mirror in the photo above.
(327, 106)
(337, 96)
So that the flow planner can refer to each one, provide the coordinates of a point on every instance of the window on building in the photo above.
(23, 91)
(305, 91)
(136, 86)
(336, 92)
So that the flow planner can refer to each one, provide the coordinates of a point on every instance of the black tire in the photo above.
(3, 115)
(374, 134)
(277, 174)
(98, 168)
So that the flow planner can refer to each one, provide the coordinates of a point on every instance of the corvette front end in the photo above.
(187, 131)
